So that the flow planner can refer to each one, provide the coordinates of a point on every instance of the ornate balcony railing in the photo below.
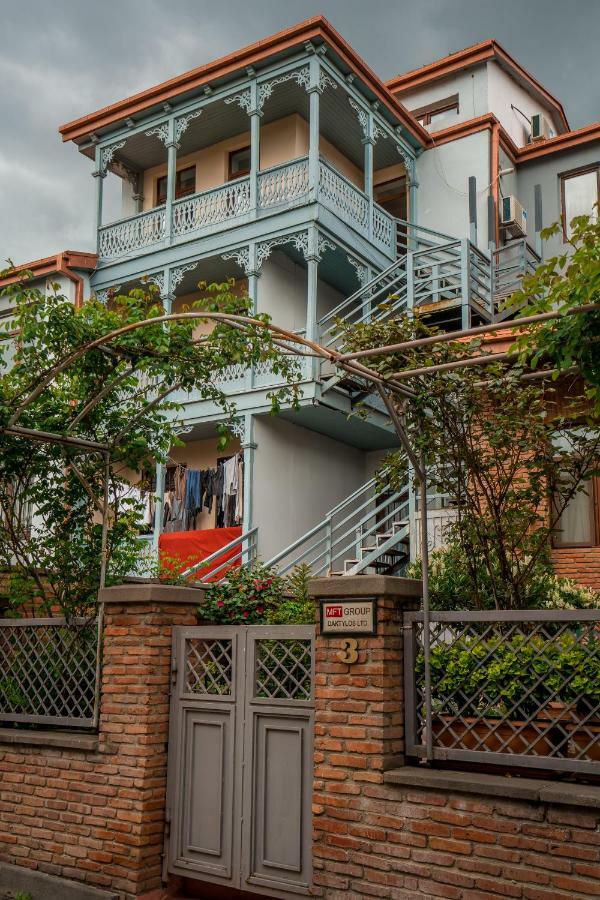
(211, 207)
(135, 233)
(283, 184)
(343, 197)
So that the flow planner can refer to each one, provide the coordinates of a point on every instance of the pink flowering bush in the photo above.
(245, 598)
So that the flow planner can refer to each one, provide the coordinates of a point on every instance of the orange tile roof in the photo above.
(315, 28)
(64, 263)
(477, 53)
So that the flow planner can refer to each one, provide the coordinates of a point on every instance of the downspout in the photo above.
(62, 266)
(494, 169)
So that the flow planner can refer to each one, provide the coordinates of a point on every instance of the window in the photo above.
(578, 525)
(185, 183)
(239, 163)
(433, 112)
(580, 191)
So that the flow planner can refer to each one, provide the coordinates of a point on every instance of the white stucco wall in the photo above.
(298, 476)
(282, 293)
(444, 171)
(503, 93)
(471, 87)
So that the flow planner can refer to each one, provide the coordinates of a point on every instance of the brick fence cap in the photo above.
(349, 586)
(151, 592)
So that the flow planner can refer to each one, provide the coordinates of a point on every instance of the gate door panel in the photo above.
(241, 757)
(202, 754)
(279, 758)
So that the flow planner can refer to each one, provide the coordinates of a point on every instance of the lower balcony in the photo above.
(279, 188)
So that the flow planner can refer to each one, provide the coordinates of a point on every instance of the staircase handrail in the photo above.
(246, 537)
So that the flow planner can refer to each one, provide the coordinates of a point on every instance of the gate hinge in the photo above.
(174, 670)
(168, 816)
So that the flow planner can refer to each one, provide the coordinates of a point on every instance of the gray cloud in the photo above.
(64, 59)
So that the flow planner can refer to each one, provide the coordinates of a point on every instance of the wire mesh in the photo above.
(48, 671)
(209, 666)
(523, 688)
(283, 669)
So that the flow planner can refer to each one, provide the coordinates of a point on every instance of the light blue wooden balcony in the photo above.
(228, 206)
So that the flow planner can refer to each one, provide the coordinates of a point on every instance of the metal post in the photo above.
(255, 115)
(422, 476)
(171, 146)
(313, 140)
(413, 211)
(103, 568)
(410, 281)
(328, 546)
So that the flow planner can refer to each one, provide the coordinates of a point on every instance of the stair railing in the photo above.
(343, 530)
(241, 551)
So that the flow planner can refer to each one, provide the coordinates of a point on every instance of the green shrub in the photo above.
(451, 588)
(260, 596)
(514, 676)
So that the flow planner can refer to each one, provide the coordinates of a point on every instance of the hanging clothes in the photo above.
(193, 497)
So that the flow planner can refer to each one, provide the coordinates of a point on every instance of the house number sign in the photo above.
(342, 617)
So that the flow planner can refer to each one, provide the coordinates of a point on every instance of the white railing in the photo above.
(343, 198)
(211, 207)
(131, 234)
(351, 528)
(283, 184)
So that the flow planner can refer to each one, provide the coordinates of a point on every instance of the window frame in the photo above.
(178, 193)
(594, 516)
(231, 176)
(423, 114)
(575, 173)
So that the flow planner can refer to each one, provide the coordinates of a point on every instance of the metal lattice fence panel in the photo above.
(48, 671)
(520, 688)
(283, 669)
(209, 666)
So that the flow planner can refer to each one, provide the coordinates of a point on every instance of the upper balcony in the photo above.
(280, 188)
(300, 143)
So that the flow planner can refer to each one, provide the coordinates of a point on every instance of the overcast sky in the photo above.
(61, 59)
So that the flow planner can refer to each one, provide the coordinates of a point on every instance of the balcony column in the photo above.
(172, 147)
(313, 128)
(166, 295)
(99, 174)
(368, 143)
(312, 261)
(255, 116)
(248, 445)
(253, 273)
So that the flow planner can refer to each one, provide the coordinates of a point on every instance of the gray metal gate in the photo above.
(241, 757)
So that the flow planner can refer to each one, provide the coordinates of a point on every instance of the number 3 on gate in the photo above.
(348, 653)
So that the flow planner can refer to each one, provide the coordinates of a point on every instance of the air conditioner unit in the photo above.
(513, 217)
(541, 129)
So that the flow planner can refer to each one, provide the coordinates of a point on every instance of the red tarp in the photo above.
(182, 549)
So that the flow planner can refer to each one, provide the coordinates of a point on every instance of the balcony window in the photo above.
(580, 191)
(239, 163)
(185, 183)
(434, 112)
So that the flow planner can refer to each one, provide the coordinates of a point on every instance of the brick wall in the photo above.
(97, 815)
(373, 838)
(582, 564)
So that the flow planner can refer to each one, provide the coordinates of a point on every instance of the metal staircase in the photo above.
(367, 532)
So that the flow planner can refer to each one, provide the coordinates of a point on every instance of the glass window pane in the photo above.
(239, 162)
(575, 524)
(581, 194)
(186, 181)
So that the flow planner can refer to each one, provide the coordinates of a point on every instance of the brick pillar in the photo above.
(134, 724)
(359, 723)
